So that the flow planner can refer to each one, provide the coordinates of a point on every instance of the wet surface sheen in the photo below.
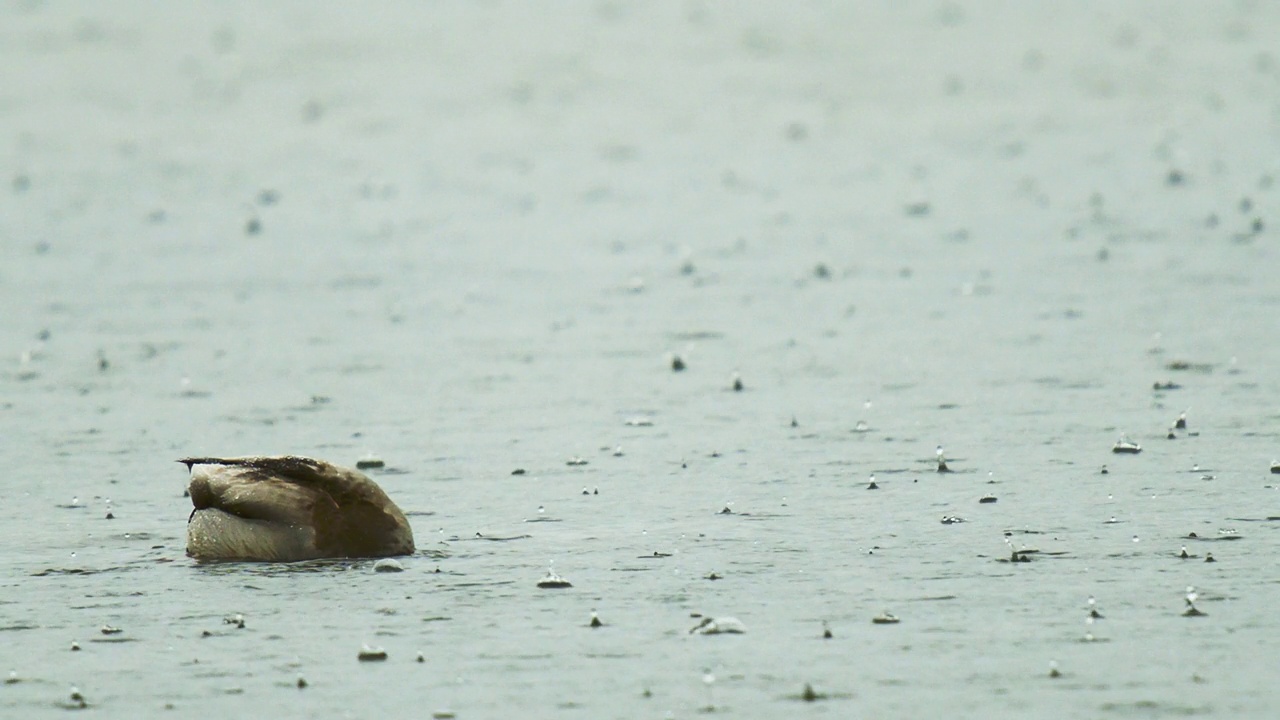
(471, 239)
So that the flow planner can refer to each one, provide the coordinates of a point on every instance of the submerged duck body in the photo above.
(289, 508)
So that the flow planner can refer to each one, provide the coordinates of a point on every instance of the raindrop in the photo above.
(709, 681)
(1192, 610)
(371, 654)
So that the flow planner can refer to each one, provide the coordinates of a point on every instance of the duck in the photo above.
(289, 508)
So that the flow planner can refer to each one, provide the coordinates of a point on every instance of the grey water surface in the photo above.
(471, 239)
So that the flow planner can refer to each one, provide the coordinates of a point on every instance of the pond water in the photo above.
(472, 239)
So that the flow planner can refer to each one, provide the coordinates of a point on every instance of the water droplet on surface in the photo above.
(371, 654)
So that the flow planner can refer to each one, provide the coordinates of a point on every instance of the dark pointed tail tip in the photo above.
(191, 462)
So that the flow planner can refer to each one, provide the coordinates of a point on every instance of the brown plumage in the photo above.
(289, 508)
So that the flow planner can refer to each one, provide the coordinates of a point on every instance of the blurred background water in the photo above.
(471, 239)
